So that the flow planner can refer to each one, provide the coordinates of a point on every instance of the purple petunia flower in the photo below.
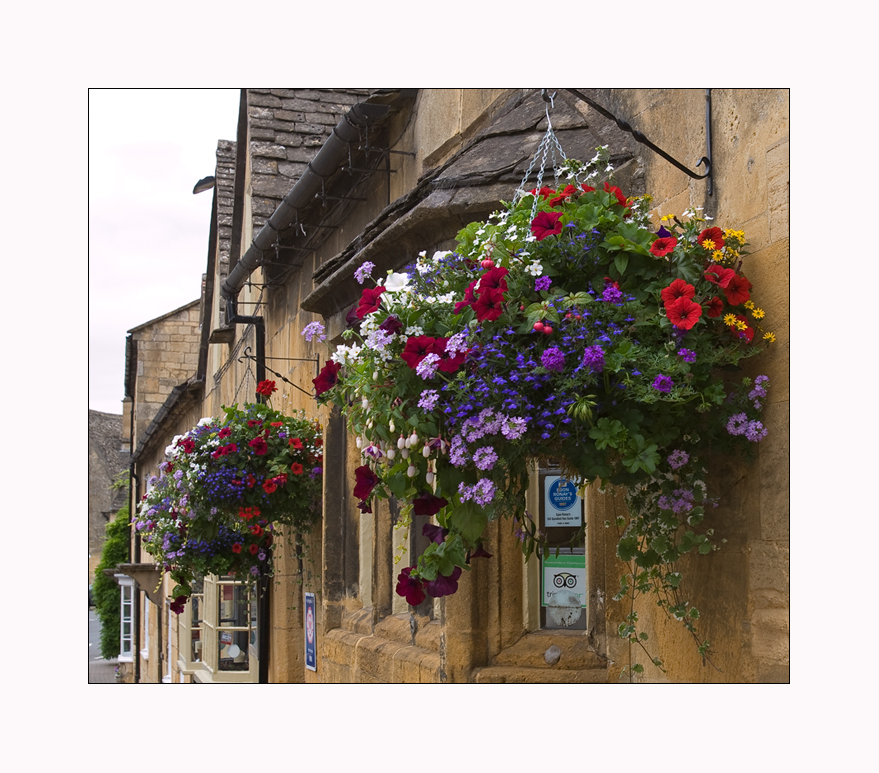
(663, 383)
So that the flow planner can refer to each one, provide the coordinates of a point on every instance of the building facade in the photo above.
(321, 180)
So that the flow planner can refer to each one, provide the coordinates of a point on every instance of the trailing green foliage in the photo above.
(105, 590)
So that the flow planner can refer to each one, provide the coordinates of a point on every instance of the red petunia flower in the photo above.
(369, 301)
(738, 290)
(719, 275)
(254, 549)
(544, 191)
(714, 307)
(683, 313)
(236, 548)
(225, 432)
(714, 235)
(410, 588)
(256, 530)
(270, 486)
(259, 446)
(469, 297)
(546, 224)
(663, 246)
(366, 481)
(489, 305)
(417, 348)
(327, 378)
(266, 388)
(296, 468)
(493, 280)
(677, 289)
(187, 444)
(296, 442)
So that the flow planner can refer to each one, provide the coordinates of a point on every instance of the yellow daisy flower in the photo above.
(758, 313)
(769, 337)
(749, 304)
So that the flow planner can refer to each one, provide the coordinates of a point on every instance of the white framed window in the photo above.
(189, 631)
(228, 635)
(126, 618)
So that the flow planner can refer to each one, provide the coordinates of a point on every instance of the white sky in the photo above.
(148, 233)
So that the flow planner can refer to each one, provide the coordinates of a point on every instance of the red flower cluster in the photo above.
(187, 444)
(230, 448)
(546, 224)
(248, 512)
(735, 286)
(266, 388)
(486, 297)
(682, 311)
(418, 347)
(259, 446)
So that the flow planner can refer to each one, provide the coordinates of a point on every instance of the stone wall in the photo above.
(167, 355)
(107, 458)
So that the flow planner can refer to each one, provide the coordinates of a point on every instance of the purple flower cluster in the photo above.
(543, 283)
(678, 459)
(553, 359)
(663, 383)
(593, 358)
(481, 493)
(429, 398)
(739, 424)
(687, 355)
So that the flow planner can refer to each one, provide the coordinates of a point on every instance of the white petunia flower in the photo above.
(396, 282)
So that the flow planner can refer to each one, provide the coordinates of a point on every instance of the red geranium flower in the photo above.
(259, 446)
(369, 301)
(663, 246)
(544, 191)
(587, 188)
(489, 305)
(410, 588)
(719, 275)
(683, 313)
(296, 468)
(417, 348)
(366, 481)
(327, 378)
(569, 189)
(546, 224)
(714, 307)
(677, 289)
(714, 235)
(621, 200)
(266, 388)
(737, 290)
(248, 512)
(236, 548)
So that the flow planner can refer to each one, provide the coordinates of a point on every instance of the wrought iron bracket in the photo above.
(704, 162)
(316, 360)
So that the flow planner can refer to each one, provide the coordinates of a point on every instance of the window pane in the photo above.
(232, 651)
(233, 606)
(196, 646)
(196, 610)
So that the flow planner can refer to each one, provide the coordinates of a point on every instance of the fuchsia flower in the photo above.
(546, 224)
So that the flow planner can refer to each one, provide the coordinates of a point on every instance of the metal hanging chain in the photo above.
(549, 144)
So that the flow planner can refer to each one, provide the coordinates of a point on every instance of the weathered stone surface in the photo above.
(268, 150)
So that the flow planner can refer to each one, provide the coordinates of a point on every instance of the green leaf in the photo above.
(621, 261)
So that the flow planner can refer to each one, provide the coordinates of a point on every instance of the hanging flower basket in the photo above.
(564, 327)
(228, 488)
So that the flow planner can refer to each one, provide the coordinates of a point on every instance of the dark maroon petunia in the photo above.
(178, 605)
(327, 378)
(444, 586)
(428, 504)
(410, 588)
(392, 325)
(480, 552)
(714, 307)
(366, 481)
(434, 533)
(546, 224)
